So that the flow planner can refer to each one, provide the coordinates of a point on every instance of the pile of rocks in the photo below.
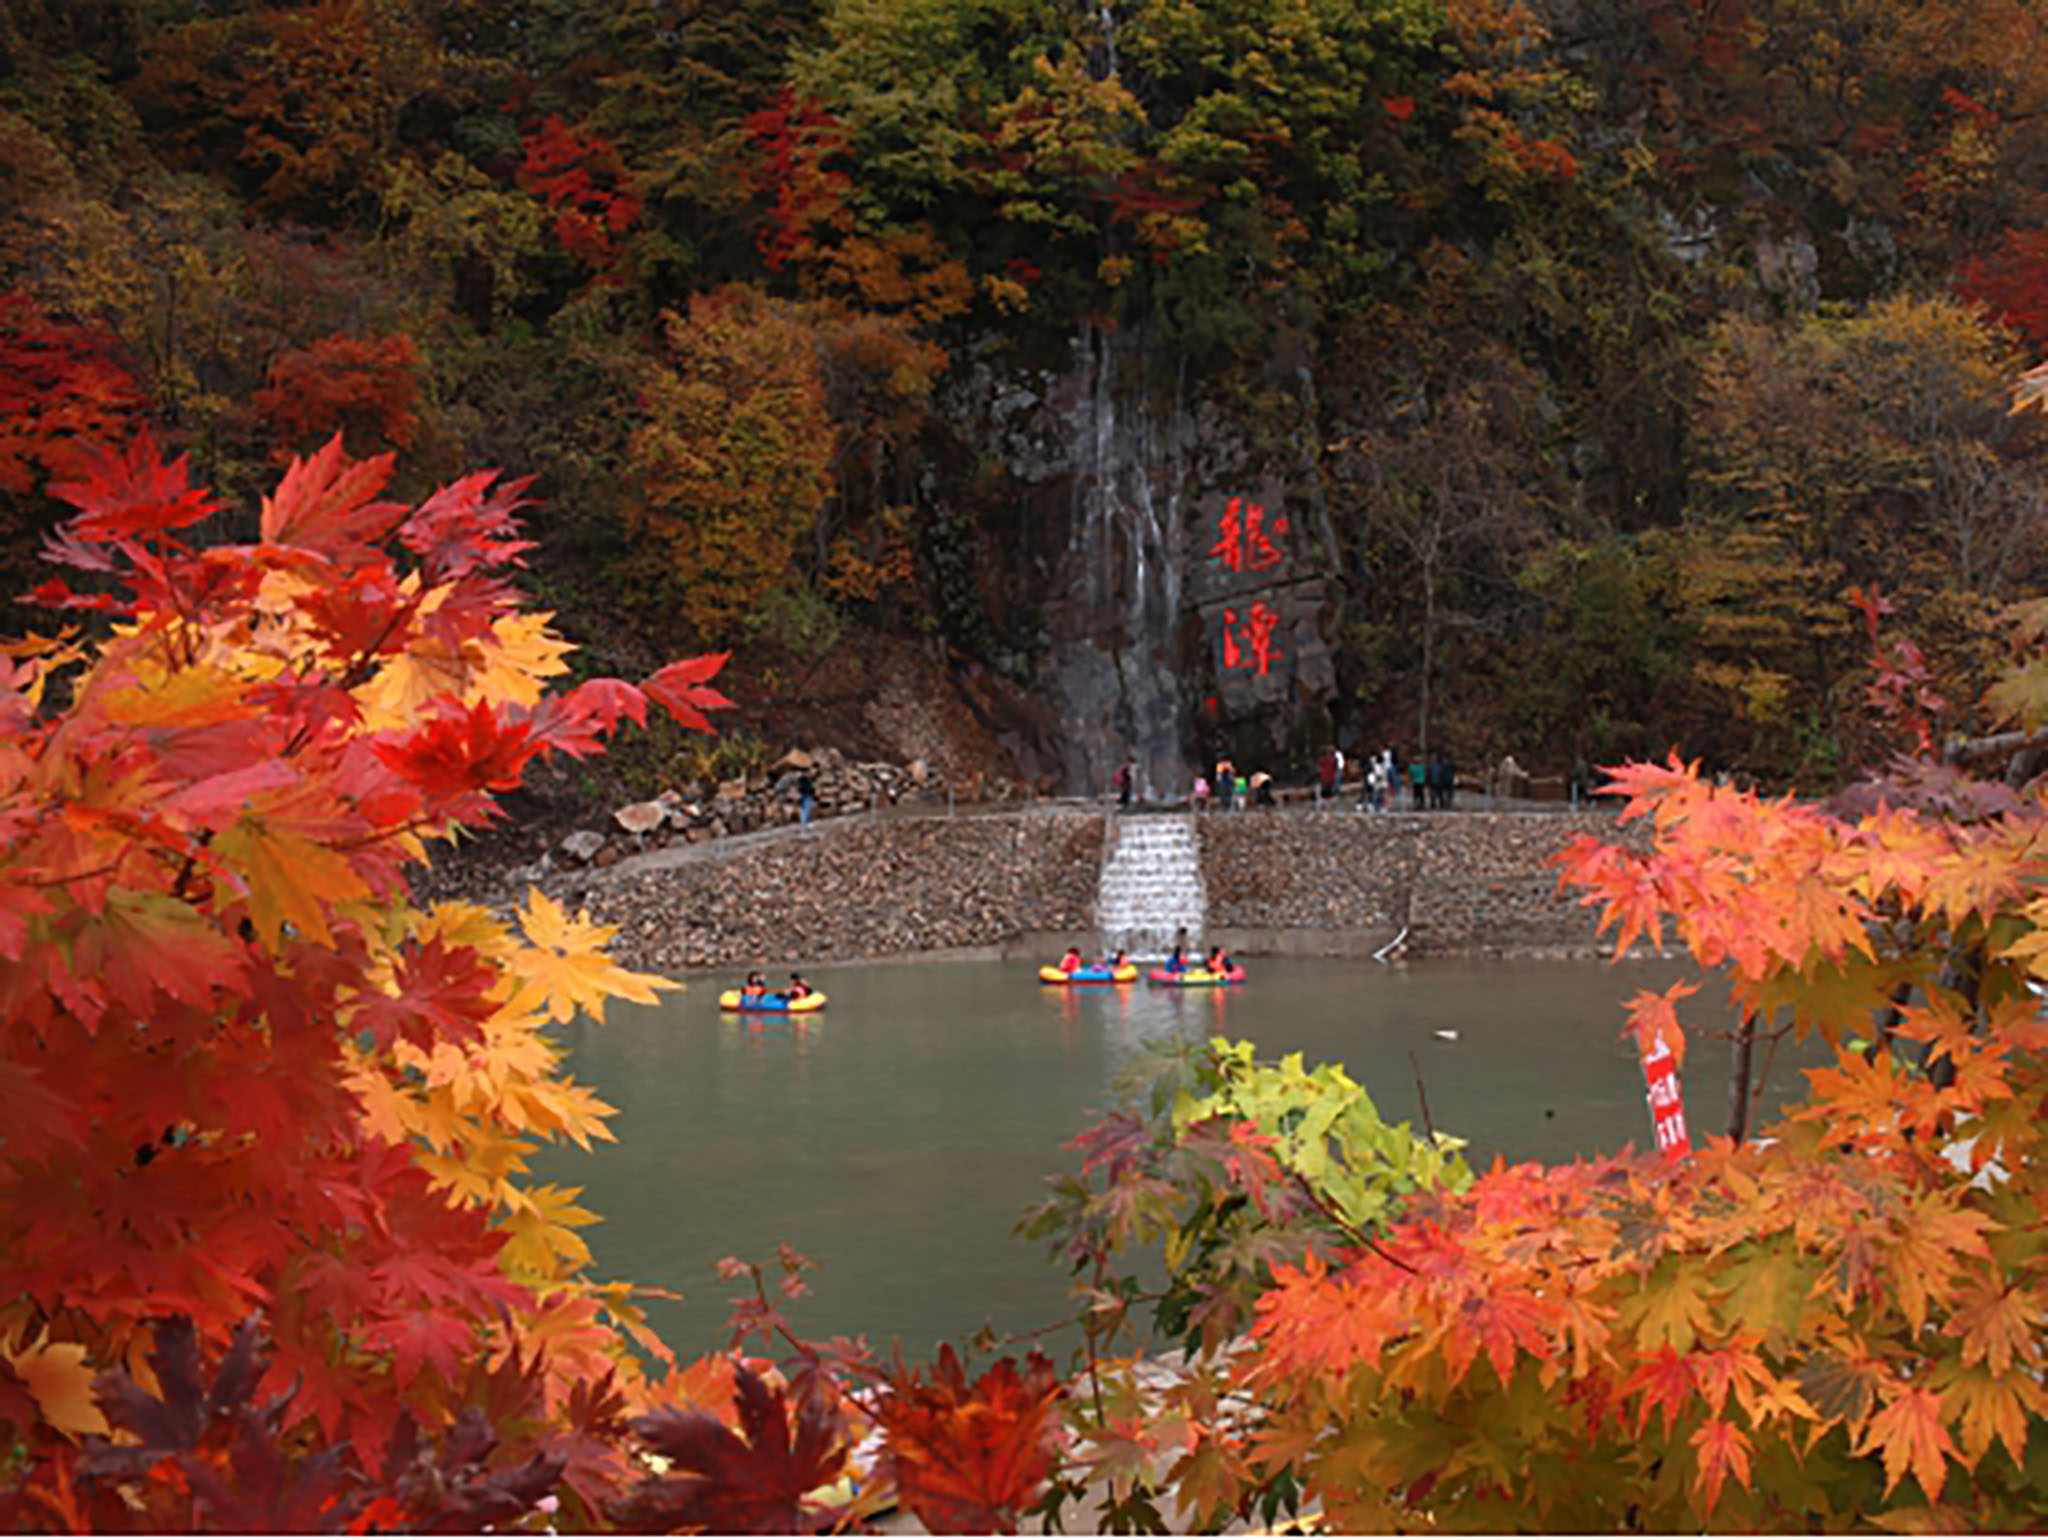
(700, 812)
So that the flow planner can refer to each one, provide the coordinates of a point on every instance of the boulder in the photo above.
(641, 819)
(582, 846)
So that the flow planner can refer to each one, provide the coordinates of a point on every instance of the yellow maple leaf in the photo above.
(291, 880)
(198, 696)
(567, 966)
(56, 1375)
(1989, 1407)
(1673, 1309)
(541, 1244)
(521, 654)
(1930, 1240)
(395, 696)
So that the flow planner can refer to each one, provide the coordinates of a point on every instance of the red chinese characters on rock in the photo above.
(1244, 543)
(1249, 642)
(1667, 1100)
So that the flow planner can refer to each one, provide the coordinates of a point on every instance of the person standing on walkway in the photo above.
(1418, 784)
(1448, 769)
(806, 798)
(1226, 782)
(1328, 768)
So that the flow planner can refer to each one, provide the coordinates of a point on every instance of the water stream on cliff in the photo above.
(895, 1137)
(1112, 667)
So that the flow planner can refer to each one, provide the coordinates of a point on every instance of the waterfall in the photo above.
(1151, 886)
(1116, 667)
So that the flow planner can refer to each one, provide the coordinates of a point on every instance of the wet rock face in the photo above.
(1143, 596)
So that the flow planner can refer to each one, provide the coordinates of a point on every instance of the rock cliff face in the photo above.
(1155, 582)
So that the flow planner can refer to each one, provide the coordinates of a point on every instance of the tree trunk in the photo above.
(1428, 654)
(1738, 1078)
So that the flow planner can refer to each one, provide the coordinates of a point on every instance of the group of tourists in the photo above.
(1226, 787)
(1218, 961)
(1430, 784)
(756, 987)
(1073, 962)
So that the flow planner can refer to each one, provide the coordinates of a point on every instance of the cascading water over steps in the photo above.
(1151, 888)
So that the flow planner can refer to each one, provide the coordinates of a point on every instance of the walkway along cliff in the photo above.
(1024, 884)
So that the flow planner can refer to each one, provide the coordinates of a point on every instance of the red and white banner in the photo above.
(1667, 1101)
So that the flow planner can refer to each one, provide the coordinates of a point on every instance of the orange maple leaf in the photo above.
(1723, 1451)
(1909, 1432)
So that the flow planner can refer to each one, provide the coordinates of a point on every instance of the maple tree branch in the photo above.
(1421, 1095)
(1965, 750)
(69, 877)
(1350, 1231)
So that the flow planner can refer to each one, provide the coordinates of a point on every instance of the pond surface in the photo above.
(894, 1137)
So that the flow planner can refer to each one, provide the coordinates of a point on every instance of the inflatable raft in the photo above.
(1096, 975)
(1188, 978)
(773, 1000)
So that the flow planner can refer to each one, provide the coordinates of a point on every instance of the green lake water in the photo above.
(894, 1137)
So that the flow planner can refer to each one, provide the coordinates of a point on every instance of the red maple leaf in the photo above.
(443, 994)
(968, 1458)
(750, 1482)
(681, 689)
(573, 724)
(466, 525)
(130, 492)
(328, 504)
(462, 754)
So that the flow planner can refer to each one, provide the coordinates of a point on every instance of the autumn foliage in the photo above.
(731, 457)
(363, 387)
(277, 1262)
(62, 386)
(584, 182)
(245, 1073)
(1834, 1325)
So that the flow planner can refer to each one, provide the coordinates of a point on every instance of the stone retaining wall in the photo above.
(1293, 882)
(855, 888)
(1340, 883)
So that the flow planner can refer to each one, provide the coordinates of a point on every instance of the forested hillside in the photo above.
(1180, 374)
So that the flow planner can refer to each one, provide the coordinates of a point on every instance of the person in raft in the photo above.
(1176, 960)
(756, 984)
(797, 987)
(1118, 960)
(1072, 960)
(1218, 961)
